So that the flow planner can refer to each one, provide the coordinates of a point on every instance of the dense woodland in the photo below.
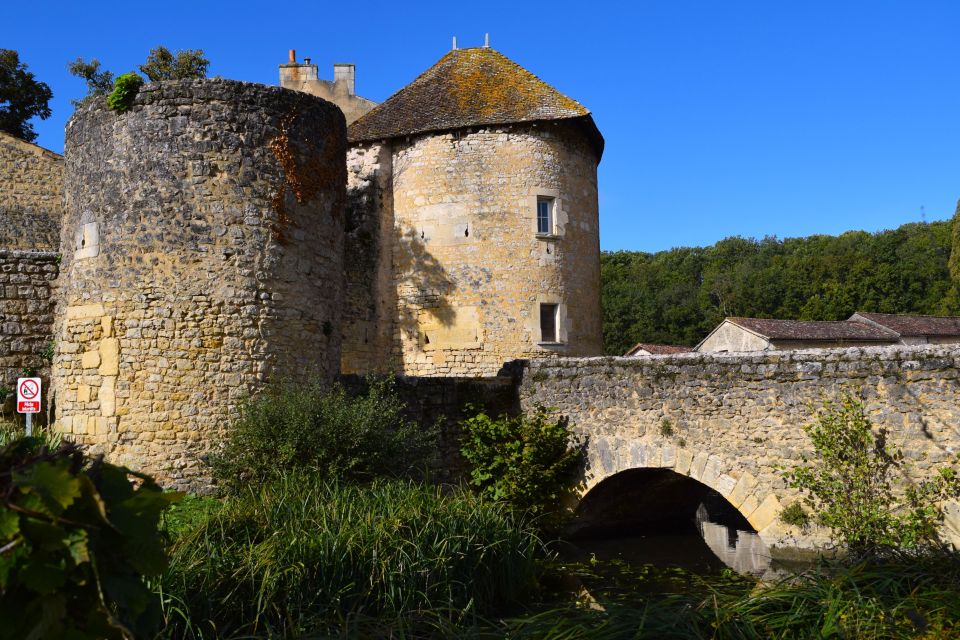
(678, 296)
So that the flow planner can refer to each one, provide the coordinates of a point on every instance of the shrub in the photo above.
(795, 515)
(850, 484)
(319, 428)
(302, 556)
(75, 538)
(530, 462)
(125, 89)
(162, 64)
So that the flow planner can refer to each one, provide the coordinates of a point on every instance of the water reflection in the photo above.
(742, 551)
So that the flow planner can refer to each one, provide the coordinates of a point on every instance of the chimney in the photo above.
(345, 73)
(293, 56)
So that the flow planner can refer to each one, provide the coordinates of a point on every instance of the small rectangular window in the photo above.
(545, 216)
(548, 323)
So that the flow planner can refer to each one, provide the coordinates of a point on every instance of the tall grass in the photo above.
(916, 596)
(303, 556)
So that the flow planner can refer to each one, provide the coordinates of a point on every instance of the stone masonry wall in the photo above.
(442, 401)
(202, 256)
(26, 313)
(469, 267)
(30, 195)
(734, 421)
(369, 292)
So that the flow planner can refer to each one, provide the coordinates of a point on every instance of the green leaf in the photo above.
(53, 483)
(43, 577)
(9, 524)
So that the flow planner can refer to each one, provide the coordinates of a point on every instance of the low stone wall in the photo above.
(734, 421)
(430, 400)
(26, 312)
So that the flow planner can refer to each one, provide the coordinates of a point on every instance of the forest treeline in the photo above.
(678, 296)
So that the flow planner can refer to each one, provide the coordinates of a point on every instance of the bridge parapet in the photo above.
(734, 421)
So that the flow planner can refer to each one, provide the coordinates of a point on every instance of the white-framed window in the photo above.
(545, 215)
(549, 313)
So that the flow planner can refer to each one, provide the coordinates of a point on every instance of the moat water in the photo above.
(689, 557)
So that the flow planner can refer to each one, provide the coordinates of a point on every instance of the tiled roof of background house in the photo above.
(815, 330)
(467, 88)
(907, 325)
(657, 349)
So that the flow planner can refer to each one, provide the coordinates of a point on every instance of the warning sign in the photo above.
(28, 395)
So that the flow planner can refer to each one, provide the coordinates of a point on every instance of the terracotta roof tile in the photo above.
(467, 88)
(657, 349)
(815, 330)
(909, 325)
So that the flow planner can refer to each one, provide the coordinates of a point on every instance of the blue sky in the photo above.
(782, 118)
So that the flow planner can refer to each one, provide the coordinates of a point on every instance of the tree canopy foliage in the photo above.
(22, 97)
(679, 296)
(161, 64)
(99, 82)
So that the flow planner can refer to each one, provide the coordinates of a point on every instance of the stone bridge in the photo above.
(733, 422)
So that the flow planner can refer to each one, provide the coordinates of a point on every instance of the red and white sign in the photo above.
(28, 395)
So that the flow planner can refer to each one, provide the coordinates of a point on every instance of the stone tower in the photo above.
(202, 249)
(472, 223)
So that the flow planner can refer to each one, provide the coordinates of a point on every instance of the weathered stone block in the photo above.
(766, 513)
(90, 360)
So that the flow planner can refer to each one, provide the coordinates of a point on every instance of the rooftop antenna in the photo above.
(486, 41)
(454, 43)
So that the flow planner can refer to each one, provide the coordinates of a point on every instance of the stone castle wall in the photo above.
(369, 294)
(202, 256)
(26, 313)
(31, 197)
(734, 421)
(468, 266)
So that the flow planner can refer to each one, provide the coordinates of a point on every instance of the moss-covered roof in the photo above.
(468, 88)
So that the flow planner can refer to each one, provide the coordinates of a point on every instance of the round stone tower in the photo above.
(487, 177)
(202, 250)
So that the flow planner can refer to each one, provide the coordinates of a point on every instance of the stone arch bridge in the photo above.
(733, 422)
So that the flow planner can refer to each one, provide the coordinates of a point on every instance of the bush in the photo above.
(321, 429)
(529, 462)
(125, 89)
(850, 484)
(75, 538)
(304, 556)
(162, 64)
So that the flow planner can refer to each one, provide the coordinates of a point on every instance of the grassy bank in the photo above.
(307, 557)
(304, 558)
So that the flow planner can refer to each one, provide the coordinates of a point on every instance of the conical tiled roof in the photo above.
(468, 88)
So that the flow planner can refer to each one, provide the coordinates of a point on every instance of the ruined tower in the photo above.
(202, 249)
(472, 220)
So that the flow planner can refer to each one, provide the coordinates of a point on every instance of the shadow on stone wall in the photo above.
(430, 400)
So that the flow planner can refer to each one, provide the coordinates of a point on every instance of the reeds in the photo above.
(303, 557)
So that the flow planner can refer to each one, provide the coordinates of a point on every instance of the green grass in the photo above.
(909, 597)
(307, 558)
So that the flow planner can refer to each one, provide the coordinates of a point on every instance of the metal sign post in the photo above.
(28, 399)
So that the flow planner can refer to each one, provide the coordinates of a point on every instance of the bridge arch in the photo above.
(615, 464)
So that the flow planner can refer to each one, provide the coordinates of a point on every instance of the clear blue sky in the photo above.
(781, 118)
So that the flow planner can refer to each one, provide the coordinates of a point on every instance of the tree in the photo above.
(99, 83)
(22, 97)
(161, 64)
(850, 484)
